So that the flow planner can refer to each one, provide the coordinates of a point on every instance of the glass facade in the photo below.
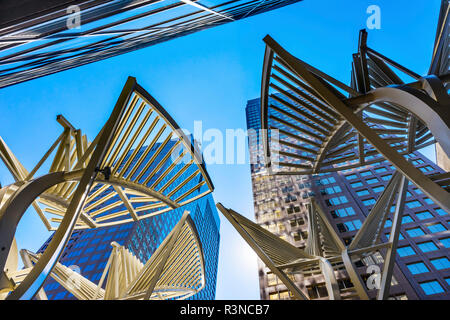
(421, 271)
(88, 250)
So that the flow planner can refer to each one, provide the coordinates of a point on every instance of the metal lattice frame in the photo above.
(175, 271)
(324, 249)
(40, 45)
(139, 165)
(324, 125)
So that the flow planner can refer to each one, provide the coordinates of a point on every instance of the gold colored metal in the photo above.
(340, 127)
(176, 270)
(88, 180)
(324, 251)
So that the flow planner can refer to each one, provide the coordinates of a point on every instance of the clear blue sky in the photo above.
(209, 76)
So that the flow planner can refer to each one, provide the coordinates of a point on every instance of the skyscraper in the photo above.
(422, 269)
(87, 251)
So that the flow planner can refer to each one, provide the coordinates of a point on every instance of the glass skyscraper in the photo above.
(422, 269)
(88, 250)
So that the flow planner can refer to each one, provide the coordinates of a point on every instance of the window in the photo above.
(424, 215)
(284, 295)
(96, 257)
(331, 190)
(97, 276)
(101, 265)
(349, 225)
(317, 291)
(440, 263)
(378, 189)
(51, 286)
(386, 177)
(437, 227)
(88, 250)
(427, 246)
(440, 211)
(356, 184)
(83, 259)
(325, 181)
(336, 201)
(406, 251)
(290, 198)
(407, 219)
(345, 283)
(417, 268)
(381, 170)
(273, 296)
(59, 295)
(369, 202)
(89, 267)
(101, 247)
(344, 212)
(365, 173)
(415, 232)
(388, 223)
(428, 201)
(418, 191)
(426, 169)
(431, 287)
(372, 181)
(413, 204)
(363, 192)
(351, 177)
(446, 242)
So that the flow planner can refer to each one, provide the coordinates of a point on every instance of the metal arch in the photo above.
(354, 102)
(36, 278)
(280, 256)
(175, 270)
(268, 60)
(119, 182)
(66, 189)
(189, 178)
(321, 95)
(441, 45)
(13, 210)
(433, 114)
(175, 127)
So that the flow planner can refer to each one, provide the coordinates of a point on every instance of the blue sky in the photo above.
(209, 76)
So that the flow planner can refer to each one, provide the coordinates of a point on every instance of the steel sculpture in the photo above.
(140, 164)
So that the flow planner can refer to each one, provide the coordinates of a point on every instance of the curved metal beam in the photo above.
(36, 278)
(330, 279)
(436, 116)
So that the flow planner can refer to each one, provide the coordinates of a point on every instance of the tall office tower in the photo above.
(422, 269)
(88, 250)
